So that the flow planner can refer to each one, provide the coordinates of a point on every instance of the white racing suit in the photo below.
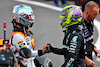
(20, 40)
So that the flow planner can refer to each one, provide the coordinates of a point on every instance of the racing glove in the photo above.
(50, 48)
(46, 49)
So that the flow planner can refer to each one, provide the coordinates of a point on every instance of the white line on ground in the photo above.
(41, 4)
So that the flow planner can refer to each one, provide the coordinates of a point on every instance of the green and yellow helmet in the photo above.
(70, 15)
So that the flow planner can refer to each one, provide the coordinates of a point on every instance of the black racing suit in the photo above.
(88, 34)
(73, 48)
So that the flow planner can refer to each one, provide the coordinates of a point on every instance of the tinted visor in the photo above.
(29, 17)
(28, 20)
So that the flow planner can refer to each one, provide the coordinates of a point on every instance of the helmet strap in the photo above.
(24, 30)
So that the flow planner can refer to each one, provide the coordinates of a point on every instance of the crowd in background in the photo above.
(83, 2)
(76, 2)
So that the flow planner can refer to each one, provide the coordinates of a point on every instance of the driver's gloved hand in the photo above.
(46, 49)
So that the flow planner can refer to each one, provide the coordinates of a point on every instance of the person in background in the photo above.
(78, 2)
(90, 13)
(63, 2)
(73, 42)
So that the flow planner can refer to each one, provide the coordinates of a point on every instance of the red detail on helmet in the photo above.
(22, 5)
(4, 24)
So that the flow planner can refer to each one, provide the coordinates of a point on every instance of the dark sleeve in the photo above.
(40, 52)
(54, 50)
(60, 51)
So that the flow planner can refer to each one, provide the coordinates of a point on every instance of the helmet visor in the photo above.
(29, 17)
(28, 20)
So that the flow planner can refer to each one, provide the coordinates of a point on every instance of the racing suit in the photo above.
(73, 48)
(20, 40)
(88, 34)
